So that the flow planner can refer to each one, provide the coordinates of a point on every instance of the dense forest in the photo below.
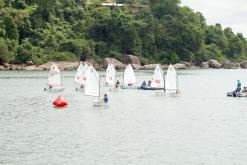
(158, 31)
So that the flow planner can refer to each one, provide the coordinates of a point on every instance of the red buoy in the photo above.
(60, 102)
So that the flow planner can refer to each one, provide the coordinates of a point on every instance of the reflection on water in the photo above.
(202, 126)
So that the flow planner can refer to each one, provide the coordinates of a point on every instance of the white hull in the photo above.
(79, 89)
(169, 94)
(55, 89)
(99, 103)
(129, 87)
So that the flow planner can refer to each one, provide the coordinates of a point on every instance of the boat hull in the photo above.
(55, 89)
(129, 87)
(150, 88)
(99, 103)
(231, 94)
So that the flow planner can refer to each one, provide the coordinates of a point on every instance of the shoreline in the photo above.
(67, 65)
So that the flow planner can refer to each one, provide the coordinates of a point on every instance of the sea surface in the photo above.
(201, 127)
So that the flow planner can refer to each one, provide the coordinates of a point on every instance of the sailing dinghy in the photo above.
(110, 77)
(54, 79)
(157, 80)
(171, 82)
(92, 86)
(80, 77)
(129, 78)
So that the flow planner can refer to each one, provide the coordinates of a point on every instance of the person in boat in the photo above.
(144, 84)
(117, 84)
(50, 87)
(245, 90)
(238, 87)
(149, 83)
(105, 99)
(82, 86)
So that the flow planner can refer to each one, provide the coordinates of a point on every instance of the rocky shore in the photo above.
(134, 60)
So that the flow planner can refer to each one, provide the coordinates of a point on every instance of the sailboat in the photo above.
(157, 80)
(80, 77)
(92, 86)
(54, 79)
(171, 81)
(110, 78)
(129, 78)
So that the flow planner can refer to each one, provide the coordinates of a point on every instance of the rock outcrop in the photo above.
(61, 64)
(131, 59)
(136, 67)
(243, 64)
(32, 68)
(180, 66)
(187, 64)
(204, 65)
(230, 65)
(149, 67)
(115, 62)
(29, 63)
(214, 64)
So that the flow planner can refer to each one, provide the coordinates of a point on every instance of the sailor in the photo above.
(238, 87)
(105, 99)
(149, 83)
(144, 84)
(117, 84)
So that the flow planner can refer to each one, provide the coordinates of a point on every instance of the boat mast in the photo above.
(164, 82)
(99, 87)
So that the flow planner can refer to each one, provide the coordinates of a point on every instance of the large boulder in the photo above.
(29, 63)
(214, 64)
(149, 67)
(15, 67)
(63, 65)
(115, 62)
(180, 66)
(131, 59)
(6, 65)
(68, 65)
(187, 64)
(136, 67)
(204, 65)
(243, 64)
(1, 67)
(32, 68)
(230, 65)
(46, 66)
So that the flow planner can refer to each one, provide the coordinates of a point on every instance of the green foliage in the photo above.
(158, 31)
(62, 56)
(7, 50)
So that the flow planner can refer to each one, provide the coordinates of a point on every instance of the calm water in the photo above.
(202, 127)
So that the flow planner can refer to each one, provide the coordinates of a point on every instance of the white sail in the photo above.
(92, 86)
(129, 75)
(110, 74)
(54, 79)
(80, 77)
(158, 78)
(171, 79)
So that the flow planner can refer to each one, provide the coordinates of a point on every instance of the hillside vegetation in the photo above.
(158, 31)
